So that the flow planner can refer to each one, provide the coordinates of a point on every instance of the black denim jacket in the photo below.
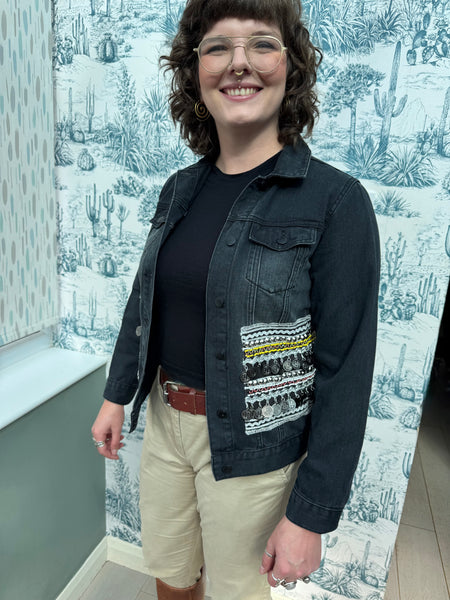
(291, 314)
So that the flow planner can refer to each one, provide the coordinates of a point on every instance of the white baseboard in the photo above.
(126, 554)
(84, 576)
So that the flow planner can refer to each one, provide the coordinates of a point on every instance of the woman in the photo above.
(252, 318)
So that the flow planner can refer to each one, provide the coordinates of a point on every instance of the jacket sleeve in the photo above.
(122, 380)
(345, 278)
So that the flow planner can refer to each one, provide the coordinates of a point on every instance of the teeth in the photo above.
(241, 91)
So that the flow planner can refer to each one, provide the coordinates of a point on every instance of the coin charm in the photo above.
(296, 364)
(287, 365)
(274, 367)
(284, 406)
(267, 411)
(292, 404)
(276, 410)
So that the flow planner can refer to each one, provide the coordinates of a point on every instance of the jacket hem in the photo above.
(311, 516)
(118, 393)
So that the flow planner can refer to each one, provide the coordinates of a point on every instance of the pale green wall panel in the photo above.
(52, 499)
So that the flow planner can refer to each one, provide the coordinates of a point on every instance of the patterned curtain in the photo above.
(28, 241)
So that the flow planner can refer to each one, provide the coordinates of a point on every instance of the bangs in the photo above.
(270, 11)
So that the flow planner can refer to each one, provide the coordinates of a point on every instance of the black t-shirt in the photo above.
(179, 311)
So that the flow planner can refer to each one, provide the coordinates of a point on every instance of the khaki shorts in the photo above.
(190, 520)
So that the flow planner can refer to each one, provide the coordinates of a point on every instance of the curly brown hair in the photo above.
(299, 108)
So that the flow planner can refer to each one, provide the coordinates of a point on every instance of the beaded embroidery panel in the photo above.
(278, 373)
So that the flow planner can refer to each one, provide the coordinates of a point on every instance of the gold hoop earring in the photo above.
(201, 112)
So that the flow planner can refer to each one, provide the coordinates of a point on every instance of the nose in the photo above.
(240, 62)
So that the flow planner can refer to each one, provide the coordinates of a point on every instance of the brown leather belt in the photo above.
(182, 397)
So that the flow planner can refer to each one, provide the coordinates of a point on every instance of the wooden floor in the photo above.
(420, 568)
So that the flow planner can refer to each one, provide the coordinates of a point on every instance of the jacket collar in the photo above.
(293, 162)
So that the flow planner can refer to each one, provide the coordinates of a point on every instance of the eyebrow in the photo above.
(259, 32)
(266, 32)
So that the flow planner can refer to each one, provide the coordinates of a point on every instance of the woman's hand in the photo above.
(295, 553)
(108, 427)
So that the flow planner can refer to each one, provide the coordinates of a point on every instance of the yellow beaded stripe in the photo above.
(276, 347)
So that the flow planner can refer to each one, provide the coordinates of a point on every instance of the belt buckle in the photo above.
(166, 390)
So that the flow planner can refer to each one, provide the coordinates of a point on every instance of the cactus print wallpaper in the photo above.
(28, 280)
(385, 97)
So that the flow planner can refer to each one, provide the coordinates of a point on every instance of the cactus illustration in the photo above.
(90, 105)
(360, 475)
(447, 242)
(92, 8)
(122, 214)
(398, 372)
(406, 465)
(390, 505)
(410, 418)
(108, 8)
(74, 311)
(326, 544)
(92, 307)
(107, 49)
(364, 561)
(441, 130)
(74, 212)
(108, 203)
(429, 295)
(92, 211)
(70, 112)
(394, 253)
(80, 35)
(108, 266)
(387, 107)
(84, 256)
(85, 160)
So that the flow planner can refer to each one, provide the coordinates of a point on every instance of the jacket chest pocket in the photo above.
(276, 255)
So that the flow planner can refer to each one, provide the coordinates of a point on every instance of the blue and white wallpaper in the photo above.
(385, 97)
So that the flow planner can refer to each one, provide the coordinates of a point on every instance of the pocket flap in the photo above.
(281, 238)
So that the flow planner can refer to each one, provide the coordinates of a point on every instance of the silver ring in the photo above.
(268, 554)
(97, 444)
(289, 585)
(306, 579)
(278, 581)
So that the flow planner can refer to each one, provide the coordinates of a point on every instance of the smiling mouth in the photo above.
(241, 91)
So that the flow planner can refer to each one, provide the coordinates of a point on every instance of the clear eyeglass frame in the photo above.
(249, 38)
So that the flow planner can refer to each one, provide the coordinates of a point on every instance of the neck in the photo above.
(241, 151)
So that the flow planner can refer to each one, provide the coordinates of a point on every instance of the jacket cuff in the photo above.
(119, 393)
(311, 516)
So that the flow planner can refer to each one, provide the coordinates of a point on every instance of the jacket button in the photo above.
(227, 470)
(220, 355)
(222, 414)
(138, 330)
(282, 239)
(220, 302)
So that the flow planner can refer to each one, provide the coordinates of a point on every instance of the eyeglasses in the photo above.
(263, 52)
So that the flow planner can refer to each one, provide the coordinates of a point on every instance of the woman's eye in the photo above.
(215, 47)
(263, 45)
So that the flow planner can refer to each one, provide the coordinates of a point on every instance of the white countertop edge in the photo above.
(29, 383)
